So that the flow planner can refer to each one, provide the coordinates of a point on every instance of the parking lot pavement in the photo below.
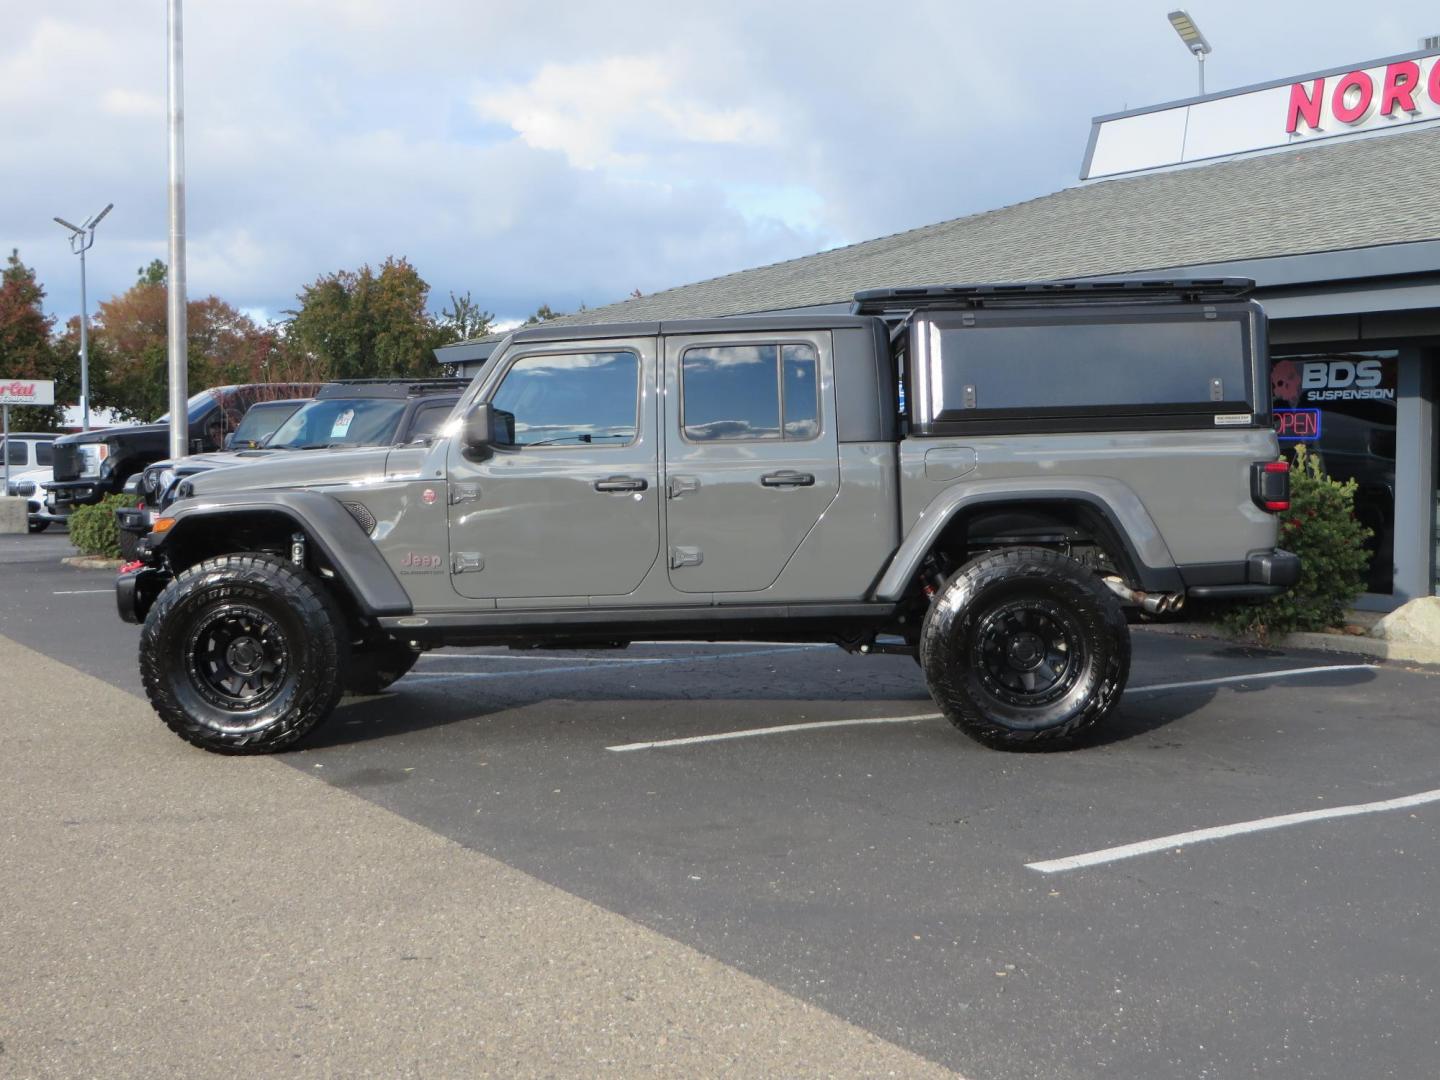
(898, 876)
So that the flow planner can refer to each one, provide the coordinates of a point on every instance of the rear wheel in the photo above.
(1025, 649)
(243, 654)
(38, 526)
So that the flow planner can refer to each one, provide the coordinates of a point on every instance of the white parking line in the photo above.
(81, 592)
(1176, 840)
(1249, 678)
(782, 729)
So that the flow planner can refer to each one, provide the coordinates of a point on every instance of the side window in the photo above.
(573, 398)
(741, 392)
(18, 453)
(428, 420)
(44, 453)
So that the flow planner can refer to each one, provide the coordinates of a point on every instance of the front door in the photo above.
(751, 456)
(571, 510)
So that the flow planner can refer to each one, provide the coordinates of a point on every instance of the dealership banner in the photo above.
(27, 392)
(1369, 96)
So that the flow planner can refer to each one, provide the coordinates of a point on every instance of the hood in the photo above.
(101, 434)
(300, 468)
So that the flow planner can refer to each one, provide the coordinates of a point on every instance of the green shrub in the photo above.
(1320, 527)
(94, 530)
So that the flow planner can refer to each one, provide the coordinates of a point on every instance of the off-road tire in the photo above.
(37, 526)
(293, 624)
(374, 667)
(1016, 617)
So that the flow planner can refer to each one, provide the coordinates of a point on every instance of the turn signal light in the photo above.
(162, 525)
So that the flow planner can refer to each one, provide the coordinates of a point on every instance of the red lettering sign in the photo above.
(1400, 93)
(1435, 83)
(1354, 113)
(20, 389)
(1307, 105)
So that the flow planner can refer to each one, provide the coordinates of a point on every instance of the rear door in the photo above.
(751, 456)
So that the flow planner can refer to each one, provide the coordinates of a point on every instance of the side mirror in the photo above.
(487, 427)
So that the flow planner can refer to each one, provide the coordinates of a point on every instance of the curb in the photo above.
(1349, 644)
(92, 562)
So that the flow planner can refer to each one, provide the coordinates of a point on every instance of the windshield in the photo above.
(262, 420)
(196, 408)
(340, 422)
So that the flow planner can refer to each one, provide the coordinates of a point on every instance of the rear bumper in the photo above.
(1263, 573)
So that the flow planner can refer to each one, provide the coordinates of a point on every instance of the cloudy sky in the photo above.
(571, 153)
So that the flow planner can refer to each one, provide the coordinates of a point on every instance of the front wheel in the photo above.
(243, 654)
(1024, 649)
(38, 525)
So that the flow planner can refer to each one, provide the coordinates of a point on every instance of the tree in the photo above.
(543, 313)
(130, 338)
(25, 348)
(362, 324)
(464, 318)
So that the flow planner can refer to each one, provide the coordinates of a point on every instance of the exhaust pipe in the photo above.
(1150, 603)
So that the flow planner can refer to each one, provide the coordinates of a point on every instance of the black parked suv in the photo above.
(93, 464)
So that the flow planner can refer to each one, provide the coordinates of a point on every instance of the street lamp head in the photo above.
(72, 228)
(1189, 33)
(100, 216)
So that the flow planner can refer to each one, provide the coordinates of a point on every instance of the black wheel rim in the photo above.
(1029, 651)
(237, 658)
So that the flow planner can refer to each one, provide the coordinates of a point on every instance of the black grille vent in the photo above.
(361, 515)
(67, 461)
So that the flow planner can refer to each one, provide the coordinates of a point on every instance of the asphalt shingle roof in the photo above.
(1329, 197)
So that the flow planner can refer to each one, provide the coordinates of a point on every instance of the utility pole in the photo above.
(176, 329)
(82, 239)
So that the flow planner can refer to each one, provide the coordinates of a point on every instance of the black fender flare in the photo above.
(326, 524)
(1142, 546)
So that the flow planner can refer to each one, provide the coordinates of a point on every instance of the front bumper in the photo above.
(65, 495)
(136, 588)
(135, 521)
(1263, 573)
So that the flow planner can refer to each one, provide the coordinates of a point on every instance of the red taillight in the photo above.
(1270, 485)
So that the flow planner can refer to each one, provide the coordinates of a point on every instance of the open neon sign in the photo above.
(1298, 425)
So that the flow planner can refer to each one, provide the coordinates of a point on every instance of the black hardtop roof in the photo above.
(296, 401)
(34, 435)
(389, 388)
(1054, 294)
(727, 325)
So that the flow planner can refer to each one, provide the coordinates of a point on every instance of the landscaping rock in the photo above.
(1415, 623)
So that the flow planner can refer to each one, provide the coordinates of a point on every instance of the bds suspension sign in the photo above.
(27, 392)
(1371, 96)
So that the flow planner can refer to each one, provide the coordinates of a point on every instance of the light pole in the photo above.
(176, 330)
(82, 238)
(1194, 41)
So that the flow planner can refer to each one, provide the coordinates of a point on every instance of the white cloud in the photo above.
(604, 113)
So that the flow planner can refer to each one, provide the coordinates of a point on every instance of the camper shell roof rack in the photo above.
(904, 301)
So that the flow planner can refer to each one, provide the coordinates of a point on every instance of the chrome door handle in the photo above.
(622, 483)
(788, 478)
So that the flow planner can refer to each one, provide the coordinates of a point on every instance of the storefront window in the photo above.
(1342, 406)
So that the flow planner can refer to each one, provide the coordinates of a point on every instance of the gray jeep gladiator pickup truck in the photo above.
(984, 477)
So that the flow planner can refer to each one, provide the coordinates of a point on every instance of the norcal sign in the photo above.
(27, 392)
(1377, 95)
